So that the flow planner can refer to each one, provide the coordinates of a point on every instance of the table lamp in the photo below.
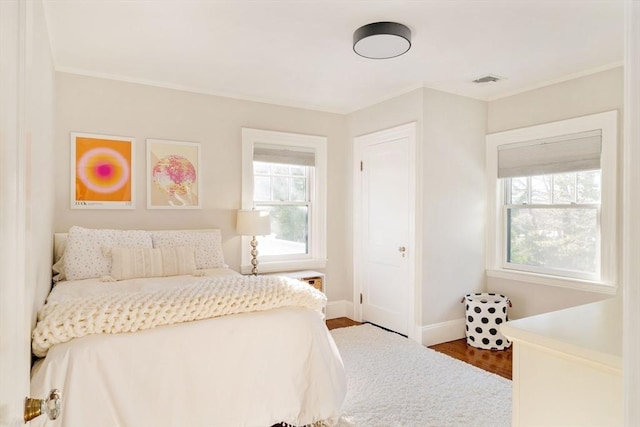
(253, 223)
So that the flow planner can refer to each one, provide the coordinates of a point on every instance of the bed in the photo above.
(169, 336)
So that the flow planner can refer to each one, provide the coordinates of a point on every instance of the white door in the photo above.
(385, 227)
(15, 314)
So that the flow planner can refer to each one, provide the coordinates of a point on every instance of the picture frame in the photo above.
(173, 174)
(102, 171)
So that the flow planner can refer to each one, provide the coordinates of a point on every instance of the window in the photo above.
(552, 223)
(552, 203)
(283, 190)
(285, 174)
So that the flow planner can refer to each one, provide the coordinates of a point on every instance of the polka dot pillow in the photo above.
(208, 245)
(85, 257)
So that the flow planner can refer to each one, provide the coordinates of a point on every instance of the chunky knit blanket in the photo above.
(112, 313)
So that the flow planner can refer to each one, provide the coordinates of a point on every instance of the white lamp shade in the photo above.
(253, 223)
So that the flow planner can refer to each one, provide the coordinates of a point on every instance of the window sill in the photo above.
(559, 282)
(281, 266)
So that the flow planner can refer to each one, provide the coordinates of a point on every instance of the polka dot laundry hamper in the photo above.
(485, 313)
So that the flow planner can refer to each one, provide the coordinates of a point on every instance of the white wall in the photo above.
(450, 136)
(454, 196)
(590, 94)
(94, 105)
(451, 132)
(574, 98)
(40, 116)
(393, 112)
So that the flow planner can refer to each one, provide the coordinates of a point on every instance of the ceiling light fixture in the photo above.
(382, 40)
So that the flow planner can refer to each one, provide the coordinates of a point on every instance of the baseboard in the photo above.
(341, 308)
(443, 332)
(431, 334)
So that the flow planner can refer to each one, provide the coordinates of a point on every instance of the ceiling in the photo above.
(299, 52)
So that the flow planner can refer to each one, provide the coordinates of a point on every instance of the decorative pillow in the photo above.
(208, 245)
(84, 257)
(129, 263)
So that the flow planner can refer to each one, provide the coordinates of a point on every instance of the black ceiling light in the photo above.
(381, 40)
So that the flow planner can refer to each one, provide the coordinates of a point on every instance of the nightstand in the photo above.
(314, 278)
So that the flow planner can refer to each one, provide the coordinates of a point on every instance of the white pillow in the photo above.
(208, 245)
(84, 257)
(129, 263)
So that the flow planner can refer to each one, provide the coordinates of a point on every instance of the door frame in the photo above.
(410, 131)
(630, 201)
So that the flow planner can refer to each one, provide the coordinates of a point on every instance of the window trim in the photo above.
(317, 256)
(496, 237)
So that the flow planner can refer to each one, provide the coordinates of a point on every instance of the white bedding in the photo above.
(249, 369)
(134, 308)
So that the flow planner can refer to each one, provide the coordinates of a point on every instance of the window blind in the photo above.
(283, 156)
(559, 154)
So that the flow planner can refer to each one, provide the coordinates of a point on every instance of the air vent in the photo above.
(489, 78)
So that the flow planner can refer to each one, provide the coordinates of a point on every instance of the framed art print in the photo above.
(102, 171)
(173, 174)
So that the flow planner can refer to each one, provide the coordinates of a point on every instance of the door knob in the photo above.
(50, 406)
(402, 250)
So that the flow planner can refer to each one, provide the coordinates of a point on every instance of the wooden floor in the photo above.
(496, 361)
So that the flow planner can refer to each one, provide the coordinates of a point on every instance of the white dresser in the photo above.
(567, 367)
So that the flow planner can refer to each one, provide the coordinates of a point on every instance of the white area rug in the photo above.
(393, 381)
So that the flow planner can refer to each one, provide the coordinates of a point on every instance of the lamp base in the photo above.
(254, 254)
